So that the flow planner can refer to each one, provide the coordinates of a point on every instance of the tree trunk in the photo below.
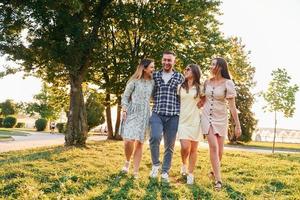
(77, 128)
(110, 132)
(273, 148)
(117, 125)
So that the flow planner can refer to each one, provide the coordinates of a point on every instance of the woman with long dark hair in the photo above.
(219, 91)
(189, 120)
(136, 113)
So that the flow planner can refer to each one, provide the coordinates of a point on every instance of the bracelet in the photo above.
(125, 111)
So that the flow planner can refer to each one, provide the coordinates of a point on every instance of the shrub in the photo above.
(40, 124)
(20, 125)
(1, 122)
(94, 110)
(9, 122)
(61, 127)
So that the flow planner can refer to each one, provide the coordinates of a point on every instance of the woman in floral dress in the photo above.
(136, 113)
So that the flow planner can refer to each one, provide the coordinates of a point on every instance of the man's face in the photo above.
(168, 61)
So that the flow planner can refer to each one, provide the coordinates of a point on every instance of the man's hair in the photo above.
(169, 52)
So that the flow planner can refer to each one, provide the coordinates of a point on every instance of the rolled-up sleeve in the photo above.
(127, 94)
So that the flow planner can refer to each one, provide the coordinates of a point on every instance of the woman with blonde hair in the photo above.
(136, 113)
(219, 91)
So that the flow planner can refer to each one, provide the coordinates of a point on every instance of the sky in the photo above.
(269, 29)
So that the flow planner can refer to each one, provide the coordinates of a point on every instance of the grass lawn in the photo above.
(12, 132)
(5, 138)
(93, 173)
(268, 145)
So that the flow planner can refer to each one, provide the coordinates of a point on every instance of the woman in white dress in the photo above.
(136, 113)
(189, 131)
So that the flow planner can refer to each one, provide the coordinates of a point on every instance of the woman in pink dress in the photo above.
(219, 91)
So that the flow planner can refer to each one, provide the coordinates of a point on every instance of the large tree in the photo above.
(55, 39)
(138, 29)
(243, 75)
(81, 41)
(280, 96)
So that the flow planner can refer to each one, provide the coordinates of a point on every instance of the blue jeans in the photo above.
(163, 126)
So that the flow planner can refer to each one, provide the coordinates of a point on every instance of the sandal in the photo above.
(218, 185)
(211, 175)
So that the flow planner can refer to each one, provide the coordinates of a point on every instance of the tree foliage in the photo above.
(280, 96)
(243, 75)
(95, 110)
(44, 104)
(101, 42)
(137, 29)
(8, 107)
(60, 38)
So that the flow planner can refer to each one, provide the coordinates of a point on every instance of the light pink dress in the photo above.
(215, 112)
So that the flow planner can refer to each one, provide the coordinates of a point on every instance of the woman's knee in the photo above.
(138, 144)
(185, 149)
(213, 147)
(185, 145)
(194, 148)
(128, 142)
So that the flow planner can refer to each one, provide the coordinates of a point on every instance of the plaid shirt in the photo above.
(166, 100)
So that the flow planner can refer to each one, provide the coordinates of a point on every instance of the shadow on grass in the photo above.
(10, 190)
(113, 183)
(200, 192)
(166, 192)
(153, 188)
(234, 194)
(46, 155)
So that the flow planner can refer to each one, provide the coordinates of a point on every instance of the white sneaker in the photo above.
(154, 171)
(183, 170)
(165, 177)
(125, 168)
(190, 179)
(135, 175)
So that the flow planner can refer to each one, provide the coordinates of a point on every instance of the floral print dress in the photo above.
(136, 100)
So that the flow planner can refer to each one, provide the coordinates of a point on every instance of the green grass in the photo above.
(12, 132)
(268, 145)
(5, 138)
(93, 173)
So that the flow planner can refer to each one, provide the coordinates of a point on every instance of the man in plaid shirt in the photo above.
(165, 115)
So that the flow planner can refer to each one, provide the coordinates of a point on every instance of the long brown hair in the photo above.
(196, 72)
(222, 64)
(139, 72)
